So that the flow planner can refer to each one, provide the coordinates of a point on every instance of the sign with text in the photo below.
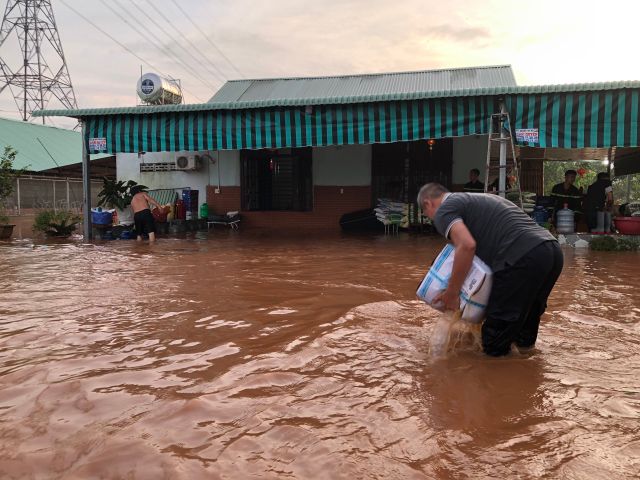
(528, 135)
(97, 144)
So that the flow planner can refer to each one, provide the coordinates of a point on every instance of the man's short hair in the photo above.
(476, 171)
(603, 176)
(136, 189)
(570, 172)
(430, 191)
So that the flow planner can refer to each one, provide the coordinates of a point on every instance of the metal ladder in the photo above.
(500, 132)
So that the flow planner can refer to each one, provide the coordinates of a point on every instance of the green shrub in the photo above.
(628, 244)
(608, 243)
(56, 224)
(116, 194)
(604, 243)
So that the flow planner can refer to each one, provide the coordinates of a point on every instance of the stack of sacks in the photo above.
(476, 288)
(528, 200)
(390, 212)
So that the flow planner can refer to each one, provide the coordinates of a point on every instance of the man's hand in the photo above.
(449, 299)
(465, 249)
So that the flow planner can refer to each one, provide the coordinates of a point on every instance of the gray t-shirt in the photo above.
(503, 233)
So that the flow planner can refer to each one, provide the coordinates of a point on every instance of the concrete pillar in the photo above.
(86, 188)
(18, 193)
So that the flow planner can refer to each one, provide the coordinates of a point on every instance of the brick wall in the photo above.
(228, 200)
(330, 203)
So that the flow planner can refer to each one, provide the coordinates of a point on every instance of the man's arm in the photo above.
(465, 246)
(152, 201)
(609, 194)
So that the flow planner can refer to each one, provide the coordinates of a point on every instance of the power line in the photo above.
(120, 44)
(207, 37)
(182, 59)
(158, 42)
(218, 73)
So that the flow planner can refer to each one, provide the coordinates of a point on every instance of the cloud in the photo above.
(284, 38)
(460, 34)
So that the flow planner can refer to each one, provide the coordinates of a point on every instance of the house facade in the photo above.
(303, 151)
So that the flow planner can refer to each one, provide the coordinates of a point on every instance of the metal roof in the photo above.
(348, 89)
(354, 88)
(33, 141)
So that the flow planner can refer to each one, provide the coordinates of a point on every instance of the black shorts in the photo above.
(144, 222)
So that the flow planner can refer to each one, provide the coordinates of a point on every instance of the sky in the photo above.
(545, 41)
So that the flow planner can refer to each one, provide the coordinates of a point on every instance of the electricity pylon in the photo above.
(29, 38)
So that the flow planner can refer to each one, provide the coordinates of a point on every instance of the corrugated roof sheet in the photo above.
(356, 88)
(263, 93)
(65, 146)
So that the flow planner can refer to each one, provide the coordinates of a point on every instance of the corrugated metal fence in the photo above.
(36, 193)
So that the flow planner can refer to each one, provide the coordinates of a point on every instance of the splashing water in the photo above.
(451, 333)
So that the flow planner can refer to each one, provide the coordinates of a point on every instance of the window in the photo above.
(277, 180)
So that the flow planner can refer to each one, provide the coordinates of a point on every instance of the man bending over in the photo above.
(525, 258)
(144, 222)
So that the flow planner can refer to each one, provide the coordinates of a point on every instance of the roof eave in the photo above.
(270, 103)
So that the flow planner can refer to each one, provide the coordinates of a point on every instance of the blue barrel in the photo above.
(101, 217)
(540, 215)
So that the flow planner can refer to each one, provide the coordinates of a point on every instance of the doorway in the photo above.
(277, 180)
(400, 169)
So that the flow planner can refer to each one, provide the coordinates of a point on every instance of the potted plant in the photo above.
(117, 194)
(7, 176)
(6, 228)
(56, 224)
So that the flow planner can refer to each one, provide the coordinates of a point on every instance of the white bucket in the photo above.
(476, 288)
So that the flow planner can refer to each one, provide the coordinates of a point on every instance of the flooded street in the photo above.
(246, 355)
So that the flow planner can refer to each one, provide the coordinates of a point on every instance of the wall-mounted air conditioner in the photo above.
(190, 162)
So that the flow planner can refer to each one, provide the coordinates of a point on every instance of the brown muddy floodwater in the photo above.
(242, 355)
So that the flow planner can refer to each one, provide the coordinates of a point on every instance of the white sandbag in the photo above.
(476, 288)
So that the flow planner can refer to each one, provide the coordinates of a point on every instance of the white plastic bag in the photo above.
(476, 288)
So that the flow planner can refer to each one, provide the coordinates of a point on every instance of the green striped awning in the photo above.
(575, 119)
(291, 126)
(588, 119)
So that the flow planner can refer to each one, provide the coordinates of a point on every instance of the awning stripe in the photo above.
(566, 120)
(578, 120)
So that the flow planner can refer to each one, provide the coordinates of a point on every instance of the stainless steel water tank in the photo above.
(156, 90)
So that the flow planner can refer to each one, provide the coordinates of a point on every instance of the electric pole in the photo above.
(30, 42)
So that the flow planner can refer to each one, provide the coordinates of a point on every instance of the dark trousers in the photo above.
(519, 298)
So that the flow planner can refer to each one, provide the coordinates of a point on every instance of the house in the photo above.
(53, 159)
(304, 151)
(317, 181)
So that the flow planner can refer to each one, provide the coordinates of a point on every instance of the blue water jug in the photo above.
(540, 215)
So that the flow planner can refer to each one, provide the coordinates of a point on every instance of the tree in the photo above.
(620, 186)
(554, 173)
(587, 173)
(7, 177)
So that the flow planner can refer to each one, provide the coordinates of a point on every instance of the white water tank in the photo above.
(156, 90)
(565, 221)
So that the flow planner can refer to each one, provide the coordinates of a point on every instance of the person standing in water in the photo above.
(526, 261)
(144, 222)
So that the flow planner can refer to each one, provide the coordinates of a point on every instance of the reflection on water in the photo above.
(234, 356)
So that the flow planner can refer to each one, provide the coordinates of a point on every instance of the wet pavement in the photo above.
(246, 355)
